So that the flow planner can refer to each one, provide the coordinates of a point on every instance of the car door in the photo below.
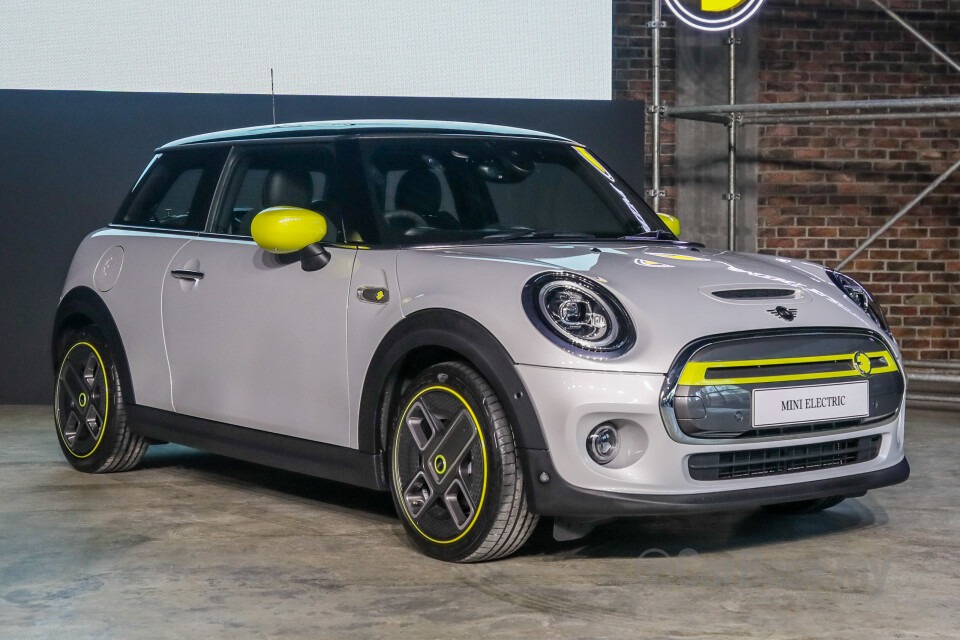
(165, 209)
(252, 339)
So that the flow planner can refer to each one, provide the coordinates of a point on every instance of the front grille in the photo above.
(754, 294)
(793, 429)
(708, 391)
(769, 462)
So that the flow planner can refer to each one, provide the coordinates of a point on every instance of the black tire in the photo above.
(89, 412)
(815, 505)
(452, 511)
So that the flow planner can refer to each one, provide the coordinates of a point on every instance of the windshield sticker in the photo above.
(596, 163)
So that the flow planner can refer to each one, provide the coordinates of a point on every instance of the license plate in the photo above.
(817, 403)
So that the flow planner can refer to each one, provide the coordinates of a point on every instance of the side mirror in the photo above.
(672, 223)
(292, 230)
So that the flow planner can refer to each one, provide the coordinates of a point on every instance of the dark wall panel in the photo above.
(67, 159)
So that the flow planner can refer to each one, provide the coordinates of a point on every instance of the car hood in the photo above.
(668, 289)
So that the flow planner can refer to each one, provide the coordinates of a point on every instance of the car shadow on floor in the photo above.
(703, 533)
(248, 475)
(652, 536)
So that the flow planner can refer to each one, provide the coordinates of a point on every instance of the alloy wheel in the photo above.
(440, 464)
(82, 399)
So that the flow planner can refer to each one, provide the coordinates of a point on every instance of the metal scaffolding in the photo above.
(734, 116)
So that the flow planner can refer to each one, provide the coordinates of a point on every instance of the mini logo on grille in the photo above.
(861, 363)
(782, 312)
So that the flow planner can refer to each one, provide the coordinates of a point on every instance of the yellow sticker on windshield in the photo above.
(596, 163)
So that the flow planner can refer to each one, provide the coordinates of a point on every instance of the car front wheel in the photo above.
(455, 476)
(89, 409)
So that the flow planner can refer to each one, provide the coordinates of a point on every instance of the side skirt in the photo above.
(261, 447)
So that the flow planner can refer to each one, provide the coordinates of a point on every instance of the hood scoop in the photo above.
(755, 293)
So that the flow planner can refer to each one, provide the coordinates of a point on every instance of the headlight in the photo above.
(861, 297)
(578, 314)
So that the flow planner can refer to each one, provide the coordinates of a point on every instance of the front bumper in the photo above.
(559, 498)
(655, 478)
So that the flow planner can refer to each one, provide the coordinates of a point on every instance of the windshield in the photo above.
(473, 189)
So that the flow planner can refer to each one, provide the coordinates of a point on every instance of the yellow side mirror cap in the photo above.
(287, 229)
(672, 223)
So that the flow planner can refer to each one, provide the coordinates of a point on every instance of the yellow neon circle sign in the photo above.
(713, 15)
(720, 5)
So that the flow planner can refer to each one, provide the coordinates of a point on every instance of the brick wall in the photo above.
(823, 188)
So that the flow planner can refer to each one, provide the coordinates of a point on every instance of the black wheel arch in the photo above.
(81, 307)
(435, 335)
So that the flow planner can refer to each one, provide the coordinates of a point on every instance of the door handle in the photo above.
(187, 274)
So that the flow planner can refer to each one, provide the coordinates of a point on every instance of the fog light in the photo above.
(603, 443)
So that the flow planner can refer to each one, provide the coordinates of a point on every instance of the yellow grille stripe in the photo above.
(695, 373)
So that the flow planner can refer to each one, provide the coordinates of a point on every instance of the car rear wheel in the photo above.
(805, 506)
(455, 476)
(89, 410)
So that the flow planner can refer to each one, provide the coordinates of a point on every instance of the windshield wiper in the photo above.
(655, 234)
(532, 235)
(659, 235)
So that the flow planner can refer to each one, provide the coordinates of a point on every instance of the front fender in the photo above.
(83, 306)
(460, 336)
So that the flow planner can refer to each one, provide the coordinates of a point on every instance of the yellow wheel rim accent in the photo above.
(483, 449)
(440, 464)
(106, 397)
(83, 399)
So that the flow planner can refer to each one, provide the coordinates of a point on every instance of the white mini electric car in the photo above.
(485, 321)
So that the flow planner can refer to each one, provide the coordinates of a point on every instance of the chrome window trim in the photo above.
(146, 229)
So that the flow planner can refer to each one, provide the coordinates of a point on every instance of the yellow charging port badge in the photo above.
(593, 161)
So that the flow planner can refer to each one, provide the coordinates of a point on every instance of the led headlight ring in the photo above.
(578, 315)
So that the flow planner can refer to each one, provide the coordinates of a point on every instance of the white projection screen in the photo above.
(557, 49)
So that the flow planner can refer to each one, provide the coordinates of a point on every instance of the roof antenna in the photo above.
(273, 98)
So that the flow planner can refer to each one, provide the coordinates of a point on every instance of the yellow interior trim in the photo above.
(106, 396)
(695, 373)
(483, 448)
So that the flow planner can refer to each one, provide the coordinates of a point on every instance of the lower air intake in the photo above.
(770, 462)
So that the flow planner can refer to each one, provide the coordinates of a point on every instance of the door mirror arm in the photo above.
(313, 257)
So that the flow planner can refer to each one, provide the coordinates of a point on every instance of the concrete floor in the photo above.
(197, 546)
